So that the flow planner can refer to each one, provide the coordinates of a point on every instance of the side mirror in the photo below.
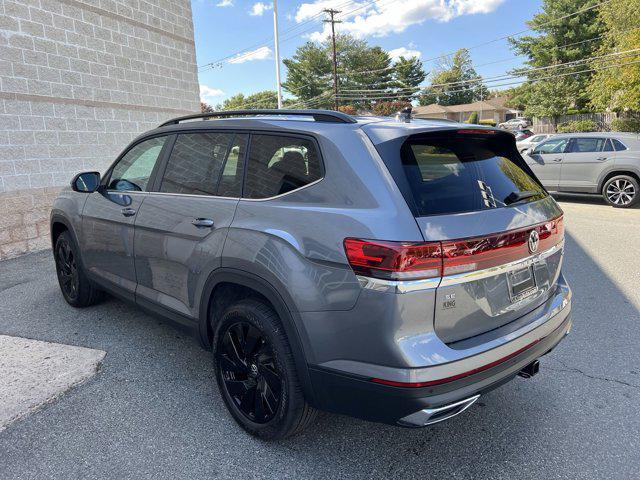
(86, 182)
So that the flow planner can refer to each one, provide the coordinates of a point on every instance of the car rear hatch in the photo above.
(498, 233)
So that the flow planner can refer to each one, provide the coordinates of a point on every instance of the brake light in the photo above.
(419, 260)
(394, 260)
(475, 131)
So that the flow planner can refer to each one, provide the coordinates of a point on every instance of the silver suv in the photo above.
(392, 270)
(602, 163)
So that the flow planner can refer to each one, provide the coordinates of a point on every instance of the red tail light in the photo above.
(412, 260)
(394, 260)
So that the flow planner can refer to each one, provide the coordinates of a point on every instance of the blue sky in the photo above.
(428, 28)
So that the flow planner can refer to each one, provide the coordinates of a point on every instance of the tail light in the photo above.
(394, 260)
(419, 260)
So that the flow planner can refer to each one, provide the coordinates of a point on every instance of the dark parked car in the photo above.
(394, 271)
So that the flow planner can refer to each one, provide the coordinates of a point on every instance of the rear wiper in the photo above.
(515, 197)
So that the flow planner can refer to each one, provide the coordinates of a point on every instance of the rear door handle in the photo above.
(601, 159)
(202, 222)
(128, 211)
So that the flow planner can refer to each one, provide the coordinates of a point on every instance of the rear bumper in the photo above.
(356, 395)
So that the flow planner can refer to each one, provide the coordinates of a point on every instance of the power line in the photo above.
(361, 98)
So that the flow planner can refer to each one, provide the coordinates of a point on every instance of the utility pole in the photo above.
(333, 22)
(277, 51)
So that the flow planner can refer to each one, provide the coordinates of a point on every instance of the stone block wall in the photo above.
(79, 79)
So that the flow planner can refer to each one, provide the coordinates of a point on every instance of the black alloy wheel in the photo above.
(250, 373)
(67, 269)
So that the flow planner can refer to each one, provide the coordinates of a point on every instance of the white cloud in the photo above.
(207, 93)
(257, 54)
(364, 18)
(225, 3)
(259, 8)
(396, 53)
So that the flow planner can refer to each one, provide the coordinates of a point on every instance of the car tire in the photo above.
(256, 374)
(76, 288)
(621, 191)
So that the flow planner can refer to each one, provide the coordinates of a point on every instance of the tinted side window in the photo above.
(586, 145)
(618, 144)
(278, 165)
(552, 146)
(608, 147)
(133, 170)
(197, 163)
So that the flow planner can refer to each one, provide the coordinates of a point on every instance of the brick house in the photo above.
(491, 109)
(78, 81)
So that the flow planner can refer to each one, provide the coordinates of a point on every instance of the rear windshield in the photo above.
(460, 173)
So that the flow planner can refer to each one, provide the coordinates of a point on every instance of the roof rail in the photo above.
(328, 116)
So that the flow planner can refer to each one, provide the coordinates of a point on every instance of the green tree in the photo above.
(454, 82)
(264, 99)
(618, 88)
(558, 40)
(205, 107)
(473, 118)
(361, 68)
(408, 74)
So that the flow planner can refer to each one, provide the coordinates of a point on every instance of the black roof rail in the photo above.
(328, 116)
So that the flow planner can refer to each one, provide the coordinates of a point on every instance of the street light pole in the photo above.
(277, 51)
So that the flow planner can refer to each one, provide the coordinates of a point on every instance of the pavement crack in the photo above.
(12, 285)
(567, 368)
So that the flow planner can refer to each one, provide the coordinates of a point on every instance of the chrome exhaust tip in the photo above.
(429, 416)
(530, 370)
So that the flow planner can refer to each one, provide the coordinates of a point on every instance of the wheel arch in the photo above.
(614, 173)
(278, 300)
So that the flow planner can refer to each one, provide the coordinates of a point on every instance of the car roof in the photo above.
(630, 136)
(378, 128)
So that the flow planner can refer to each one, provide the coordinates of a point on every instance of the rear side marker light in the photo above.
(440, 381)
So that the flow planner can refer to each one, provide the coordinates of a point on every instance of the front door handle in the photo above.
(557, 159)
(128, 211)
(203, 222)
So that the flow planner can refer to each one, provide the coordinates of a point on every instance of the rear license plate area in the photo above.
(522, 283)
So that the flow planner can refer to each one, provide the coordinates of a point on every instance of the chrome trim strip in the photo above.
(406, 286)
(421, 418)
(397, 286)
(459, 278)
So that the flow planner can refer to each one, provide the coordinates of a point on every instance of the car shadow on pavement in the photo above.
(586, 199)
(155, 410)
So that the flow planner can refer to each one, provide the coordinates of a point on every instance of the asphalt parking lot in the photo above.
(153, 411)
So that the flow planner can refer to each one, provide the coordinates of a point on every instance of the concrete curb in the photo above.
(34, 374)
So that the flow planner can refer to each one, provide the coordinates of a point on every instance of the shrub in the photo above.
(490, 123)
(578, 126)
(473, 118)
(385, 109)
(348, 109)
(626, 125)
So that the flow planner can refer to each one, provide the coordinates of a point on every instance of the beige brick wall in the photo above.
(79, 79)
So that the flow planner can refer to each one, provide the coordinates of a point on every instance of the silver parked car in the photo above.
(518, 123)
(387, 270)
(530, 142)
(602, 163)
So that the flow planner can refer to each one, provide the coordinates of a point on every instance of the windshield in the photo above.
(458, 173)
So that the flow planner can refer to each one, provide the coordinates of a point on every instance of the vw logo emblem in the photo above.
(534, 241)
